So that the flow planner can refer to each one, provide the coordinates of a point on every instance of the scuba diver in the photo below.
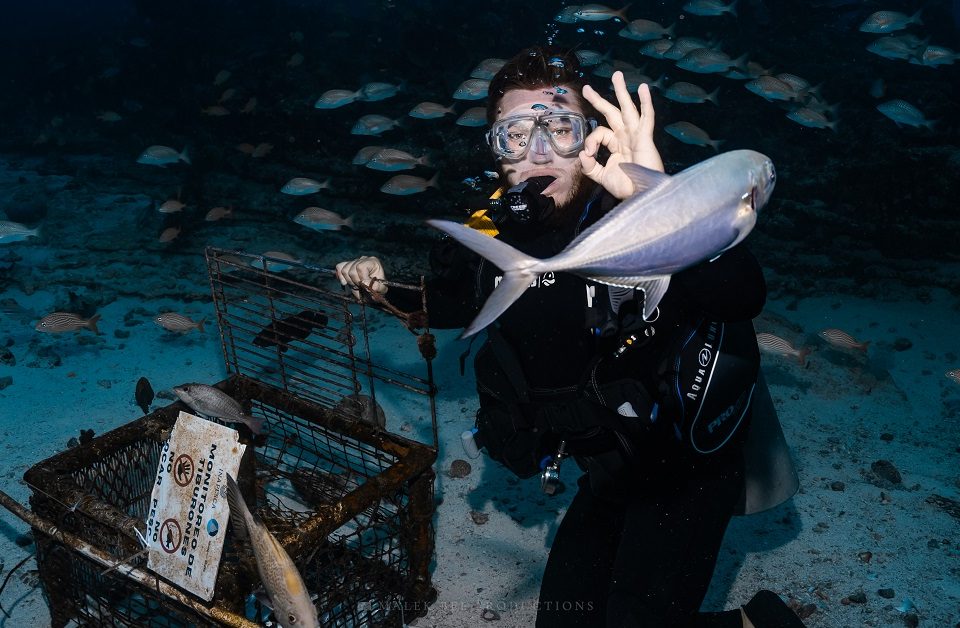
(659, 413)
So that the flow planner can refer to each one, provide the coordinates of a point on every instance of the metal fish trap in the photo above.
(341, 476)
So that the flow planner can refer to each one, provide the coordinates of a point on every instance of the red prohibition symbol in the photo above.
(170, 536)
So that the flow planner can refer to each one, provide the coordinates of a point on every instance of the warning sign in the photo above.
(188, 507)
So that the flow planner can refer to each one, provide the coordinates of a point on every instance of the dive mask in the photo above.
(564, 131)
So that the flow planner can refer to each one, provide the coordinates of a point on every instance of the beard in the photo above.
(568, 210)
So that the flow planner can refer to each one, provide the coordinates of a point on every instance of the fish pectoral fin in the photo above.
(644, 179)
(653, 289)
(264, 598)
(237, 508)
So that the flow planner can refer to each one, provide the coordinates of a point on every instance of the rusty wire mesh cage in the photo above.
(342, 475)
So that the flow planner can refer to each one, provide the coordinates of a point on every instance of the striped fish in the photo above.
(58, 322)
(954, 375)
(778, 346)
(171, 321)
(840, 338)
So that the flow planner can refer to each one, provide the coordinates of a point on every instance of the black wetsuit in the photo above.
(639, 548)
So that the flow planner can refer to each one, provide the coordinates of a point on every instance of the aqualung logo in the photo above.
(717, 422)
(704, 357)
(543, 281)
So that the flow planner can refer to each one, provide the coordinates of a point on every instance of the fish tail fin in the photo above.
(712, 96)
(670, 30)
(802, 356)
(432, 183)
(255, 423)
(200, 325)
(732, 8)
(237, 507)
(184, 156)
(348, 222)
(622, 13)
(863, 346)
(92, 324)
(915, 18)
(518, 269)
(716, 145)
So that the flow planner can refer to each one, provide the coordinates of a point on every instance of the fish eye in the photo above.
(291, 619)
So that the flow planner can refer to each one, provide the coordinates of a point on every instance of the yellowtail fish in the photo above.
(933, 56)
(646, 30)
(657, 48)
(323, 219)
(292, 607)
(707, 61)
(902, 112)
(811, 118)
(162, 156)
(331, 99)
(430, 111)
(218, 213)
(600, 13)
(171, 206)
(690, 93)
(213, 402)
(222, 77)
(954, 375)
(840, 338)
(365, 154)
(472, 89)
(58, 322)
(771, 88)
(15, 232)
(405, 184)
(778, 346)
(169, 234)
(109, 116)
(392, 160)
(301, 186)
(888, 22)
(373, 124)
(378, 91)
(473, 117)
(895, 48)
(689, 133)
(487, 68)
(171, 321)
(710, 8)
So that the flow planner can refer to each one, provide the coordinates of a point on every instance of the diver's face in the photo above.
(544, 162)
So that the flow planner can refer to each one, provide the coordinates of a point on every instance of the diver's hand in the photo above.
(364, 269)
(628, 137)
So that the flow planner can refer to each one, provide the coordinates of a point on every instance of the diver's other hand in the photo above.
(366, 270)
(628, 136)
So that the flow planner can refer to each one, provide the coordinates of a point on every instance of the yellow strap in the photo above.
(480, 221)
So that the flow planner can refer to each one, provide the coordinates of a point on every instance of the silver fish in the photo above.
(288, 593)
(15, 232)
(323, 219)
(162, 156)
(405, 184)
(776, 345)
(57, 322)
(671, 223)
(214, 402)
(171, 321)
